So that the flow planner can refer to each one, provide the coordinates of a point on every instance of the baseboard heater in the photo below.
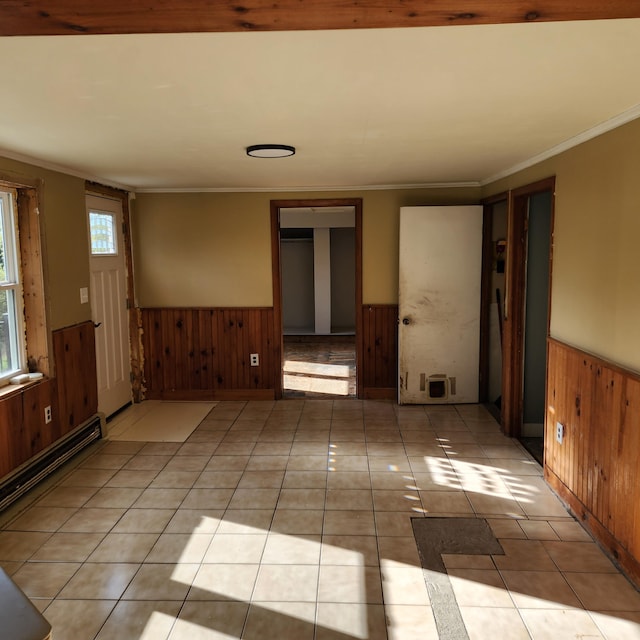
(40, 466)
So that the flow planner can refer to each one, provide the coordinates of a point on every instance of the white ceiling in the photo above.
(364, 108)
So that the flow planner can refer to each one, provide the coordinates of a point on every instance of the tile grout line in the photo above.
(335, 416)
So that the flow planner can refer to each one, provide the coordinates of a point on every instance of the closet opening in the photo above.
(317, 299)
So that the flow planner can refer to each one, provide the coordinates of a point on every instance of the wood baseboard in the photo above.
(380, 393)
(209, 395)
(245, 394)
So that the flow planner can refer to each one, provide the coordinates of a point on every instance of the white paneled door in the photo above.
(109, 302)
(440, 271)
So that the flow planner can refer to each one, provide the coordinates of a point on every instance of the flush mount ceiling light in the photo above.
(270, 150)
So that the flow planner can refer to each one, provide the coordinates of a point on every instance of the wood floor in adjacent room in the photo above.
(319, 367)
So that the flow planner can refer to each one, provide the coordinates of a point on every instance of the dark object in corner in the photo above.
(20, 619)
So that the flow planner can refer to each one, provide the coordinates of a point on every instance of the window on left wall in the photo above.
(12, 334)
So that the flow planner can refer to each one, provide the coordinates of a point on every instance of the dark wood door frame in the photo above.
(514, 303)
(276, 205)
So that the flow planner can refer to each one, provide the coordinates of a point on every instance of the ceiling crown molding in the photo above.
(323, 189)
(59, 168)
(608, 125)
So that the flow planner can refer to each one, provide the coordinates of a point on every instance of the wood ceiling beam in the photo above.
(66, 17)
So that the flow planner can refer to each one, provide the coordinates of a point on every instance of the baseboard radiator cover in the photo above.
(26, 476)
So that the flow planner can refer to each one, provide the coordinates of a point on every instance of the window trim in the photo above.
(33, 270)
(13, 282)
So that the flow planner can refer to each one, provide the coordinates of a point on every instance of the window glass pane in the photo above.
(3, 248)
(9, 357)
(103, 237)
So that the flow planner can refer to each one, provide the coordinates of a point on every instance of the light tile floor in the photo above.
(292, 520)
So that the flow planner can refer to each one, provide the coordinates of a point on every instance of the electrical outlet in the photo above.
(47, 414)
(255, 359)
(559, 432)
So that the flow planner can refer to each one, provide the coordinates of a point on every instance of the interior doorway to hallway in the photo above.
(316, 248)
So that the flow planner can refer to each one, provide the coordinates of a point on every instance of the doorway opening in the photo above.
(527, 313)
(536, 321)
(316, 246)
(493, 296)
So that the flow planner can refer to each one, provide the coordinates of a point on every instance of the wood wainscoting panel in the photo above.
(10, 432)
(72, 396)
(38, 435)
(74, 350)
(204, 353)
(380, 351)
(595, 468)
(23, 432)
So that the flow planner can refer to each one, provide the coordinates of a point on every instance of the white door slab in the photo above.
(439, 304)
(108, 296)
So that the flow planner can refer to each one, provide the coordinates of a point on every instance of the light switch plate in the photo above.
(84, 295)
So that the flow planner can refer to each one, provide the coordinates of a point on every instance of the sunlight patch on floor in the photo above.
(280, 587)
(316, 369)
(327, 386)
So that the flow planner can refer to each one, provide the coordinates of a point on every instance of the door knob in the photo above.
(406, 320)
(97, 324)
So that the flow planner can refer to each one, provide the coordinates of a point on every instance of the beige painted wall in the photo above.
(214, 249)
(595, 302)
(65, 240)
